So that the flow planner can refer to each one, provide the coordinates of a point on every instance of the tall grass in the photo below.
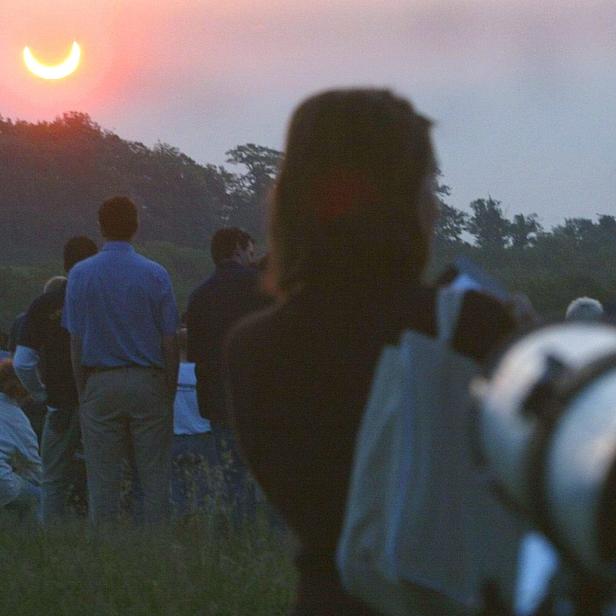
(204, 565)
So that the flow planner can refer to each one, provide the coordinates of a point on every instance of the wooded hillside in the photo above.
(54, 175)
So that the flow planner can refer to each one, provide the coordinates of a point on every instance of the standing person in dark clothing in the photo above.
(352, 219)
(43, 347)
(34, 408)
(4, 341)
(14, 332)
(231, 293)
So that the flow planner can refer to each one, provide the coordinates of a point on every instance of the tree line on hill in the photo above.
(54, 175)
(572, 259)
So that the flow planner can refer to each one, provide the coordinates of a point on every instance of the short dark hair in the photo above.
(77, 249)
(118, 218)
(225, 242)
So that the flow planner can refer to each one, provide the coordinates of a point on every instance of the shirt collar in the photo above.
(118, 246)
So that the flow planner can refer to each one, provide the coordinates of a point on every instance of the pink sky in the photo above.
(522, 92)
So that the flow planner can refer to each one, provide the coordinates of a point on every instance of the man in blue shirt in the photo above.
(121, 313)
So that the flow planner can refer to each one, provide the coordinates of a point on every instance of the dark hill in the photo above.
(54, 175)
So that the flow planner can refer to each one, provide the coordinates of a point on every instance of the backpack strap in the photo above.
(448, 308)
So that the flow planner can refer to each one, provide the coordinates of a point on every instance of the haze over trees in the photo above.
(54, 175)
(574, 258)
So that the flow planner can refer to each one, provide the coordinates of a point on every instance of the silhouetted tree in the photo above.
(576, 229)
(262, 164)
(247, 205)
(451, 224)
(607, 224)
(488, 224)
(523, 230)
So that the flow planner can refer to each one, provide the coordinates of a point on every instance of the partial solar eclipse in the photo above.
(55, 71)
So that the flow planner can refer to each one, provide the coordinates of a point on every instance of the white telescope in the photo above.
(547, 429)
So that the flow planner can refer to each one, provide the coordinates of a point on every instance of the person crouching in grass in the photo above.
(20, 464)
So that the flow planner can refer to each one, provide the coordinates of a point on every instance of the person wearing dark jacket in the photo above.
(44, 347)
(229, 294)
(14, 332)
(352, 219)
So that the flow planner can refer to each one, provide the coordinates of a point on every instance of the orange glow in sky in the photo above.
(520, 89)
(56, 71)
(79, 58)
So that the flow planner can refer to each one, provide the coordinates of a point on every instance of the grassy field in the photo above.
(197, 567)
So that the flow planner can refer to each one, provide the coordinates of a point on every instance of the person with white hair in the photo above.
(54, 283)
(584, 309)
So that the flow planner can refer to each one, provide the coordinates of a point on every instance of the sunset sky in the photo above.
(523, 92)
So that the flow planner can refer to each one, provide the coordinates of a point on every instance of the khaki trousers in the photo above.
(127, 411)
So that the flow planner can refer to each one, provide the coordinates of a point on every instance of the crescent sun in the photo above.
(56, 71)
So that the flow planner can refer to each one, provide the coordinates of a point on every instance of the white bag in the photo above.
(422, 531)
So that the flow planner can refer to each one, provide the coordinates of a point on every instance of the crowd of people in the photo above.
(277, 364)
(101, 351)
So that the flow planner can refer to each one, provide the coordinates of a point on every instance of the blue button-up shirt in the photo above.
(120, 304)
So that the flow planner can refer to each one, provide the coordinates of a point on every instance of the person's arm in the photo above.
(14, 333)
(10, 482)
(20, 451)
(72, 322)
(171, 358)
(78, 372)
(30, 450)
(26, 363)
(30, 343)
(169, 324)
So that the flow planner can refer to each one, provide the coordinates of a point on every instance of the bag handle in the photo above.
(448, 308)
